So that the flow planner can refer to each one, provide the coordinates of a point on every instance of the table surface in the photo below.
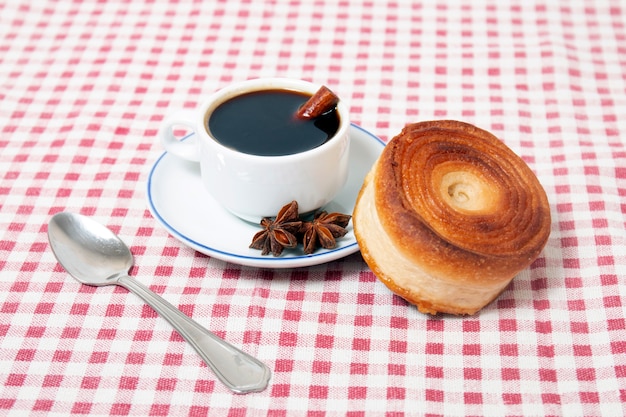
(84, 86)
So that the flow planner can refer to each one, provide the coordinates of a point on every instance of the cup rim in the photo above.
(260, 84)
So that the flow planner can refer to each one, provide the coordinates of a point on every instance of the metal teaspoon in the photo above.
(94, 255)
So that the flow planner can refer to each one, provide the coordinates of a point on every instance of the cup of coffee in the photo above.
(255, 155)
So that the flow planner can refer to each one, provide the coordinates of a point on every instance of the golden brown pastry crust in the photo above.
(449, 215)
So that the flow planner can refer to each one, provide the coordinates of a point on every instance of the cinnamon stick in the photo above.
(321, 102)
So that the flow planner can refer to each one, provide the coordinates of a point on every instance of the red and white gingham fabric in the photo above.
(83, 87)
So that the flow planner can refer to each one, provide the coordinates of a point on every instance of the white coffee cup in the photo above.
(253, 186)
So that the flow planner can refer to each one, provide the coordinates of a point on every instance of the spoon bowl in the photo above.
(94, 255)
(88, 251)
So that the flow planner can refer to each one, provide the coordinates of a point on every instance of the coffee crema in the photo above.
(264, 123)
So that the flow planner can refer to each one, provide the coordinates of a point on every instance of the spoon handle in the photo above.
(236, 369)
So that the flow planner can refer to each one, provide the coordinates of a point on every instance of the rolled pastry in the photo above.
(448, 215)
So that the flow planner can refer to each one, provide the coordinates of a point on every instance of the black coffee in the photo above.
(264, 123)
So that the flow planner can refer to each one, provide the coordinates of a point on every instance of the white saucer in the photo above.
(179, 201)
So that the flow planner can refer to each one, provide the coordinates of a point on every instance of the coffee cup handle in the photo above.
(186, 147)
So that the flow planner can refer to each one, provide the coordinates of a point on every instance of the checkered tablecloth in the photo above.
(84, 86)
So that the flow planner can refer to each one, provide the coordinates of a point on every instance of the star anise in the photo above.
(324, 229)
(279, 233)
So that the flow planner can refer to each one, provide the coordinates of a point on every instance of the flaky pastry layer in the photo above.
(449, 215)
